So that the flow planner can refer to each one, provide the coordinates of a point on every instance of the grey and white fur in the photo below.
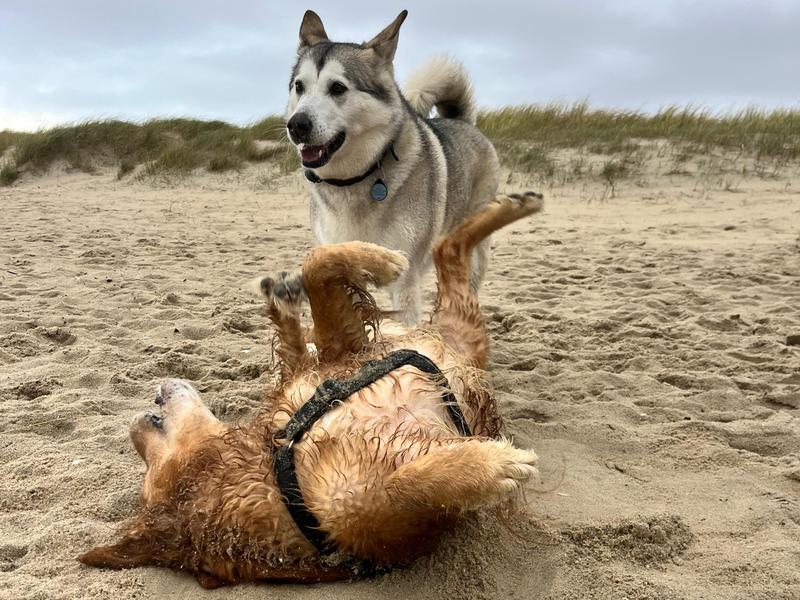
(346, 110)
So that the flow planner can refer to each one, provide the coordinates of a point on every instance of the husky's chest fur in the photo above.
(413, 211)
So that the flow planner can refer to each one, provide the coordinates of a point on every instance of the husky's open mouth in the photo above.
(313, 157)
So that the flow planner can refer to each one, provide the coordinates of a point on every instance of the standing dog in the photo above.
(378, 169)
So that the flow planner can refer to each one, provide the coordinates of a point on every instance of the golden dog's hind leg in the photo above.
(335, 278)
(457, 314)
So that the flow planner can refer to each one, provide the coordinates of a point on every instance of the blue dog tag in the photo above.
(379, 190)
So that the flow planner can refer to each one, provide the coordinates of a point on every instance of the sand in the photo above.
(639, 345)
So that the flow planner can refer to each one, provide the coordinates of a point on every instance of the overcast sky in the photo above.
(70, 60)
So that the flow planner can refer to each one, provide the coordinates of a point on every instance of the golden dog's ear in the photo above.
(385, 43)
(136, 549)
(128, 553)
(311, 30)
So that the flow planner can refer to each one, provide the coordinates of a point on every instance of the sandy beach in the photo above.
(639, 345)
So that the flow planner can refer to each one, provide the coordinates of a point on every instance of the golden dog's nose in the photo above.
(168, 389)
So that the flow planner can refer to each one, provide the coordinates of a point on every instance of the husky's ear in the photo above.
(385, 43)
(311, 30)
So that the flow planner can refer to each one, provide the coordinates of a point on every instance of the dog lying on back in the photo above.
(375, 475)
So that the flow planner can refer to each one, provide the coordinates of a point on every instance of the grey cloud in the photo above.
(140, 59)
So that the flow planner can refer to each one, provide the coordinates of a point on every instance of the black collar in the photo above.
(326, 395)
(313, 178)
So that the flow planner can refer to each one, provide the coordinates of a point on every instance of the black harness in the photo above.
(329, 392)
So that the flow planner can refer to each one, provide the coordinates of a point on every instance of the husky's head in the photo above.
(344, 105)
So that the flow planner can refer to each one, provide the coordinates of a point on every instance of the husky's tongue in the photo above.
(312, 154)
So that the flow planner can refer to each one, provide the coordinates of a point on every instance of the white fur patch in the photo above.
(366, 120)
(441, 79)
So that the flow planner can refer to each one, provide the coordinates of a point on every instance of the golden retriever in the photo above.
(374, 477)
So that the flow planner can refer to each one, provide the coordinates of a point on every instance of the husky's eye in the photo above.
(337, 88)
(298, 87)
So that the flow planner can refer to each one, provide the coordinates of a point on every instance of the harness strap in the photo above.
(329, 392)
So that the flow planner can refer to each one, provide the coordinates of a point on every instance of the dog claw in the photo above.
(285, 286)
(267, 284)
(289, 287)
(525, 197)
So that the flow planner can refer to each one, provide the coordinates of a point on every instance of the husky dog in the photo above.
(378, 168)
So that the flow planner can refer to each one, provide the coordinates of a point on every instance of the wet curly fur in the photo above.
(385, 472)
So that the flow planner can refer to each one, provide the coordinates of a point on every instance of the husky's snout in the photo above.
(299, 127)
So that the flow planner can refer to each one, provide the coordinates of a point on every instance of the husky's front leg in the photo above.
(406, 300)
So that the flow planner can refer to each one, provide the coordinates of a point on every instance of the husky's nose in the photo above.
(299, 127)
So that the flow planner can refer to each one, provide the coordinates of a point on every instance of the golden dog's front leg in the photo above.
(401, 517)
(285, 294)
(336, 278)
(462, 476)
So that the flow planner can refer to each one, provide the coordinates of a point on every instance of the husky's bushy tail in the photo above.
(442, 82)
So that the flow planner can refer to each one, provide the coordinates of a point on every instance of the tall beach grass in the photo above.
(528, 138)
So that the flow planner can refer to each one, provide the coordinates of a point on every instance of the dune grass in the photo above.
(528, 139)
(761, 133)
(163, 146)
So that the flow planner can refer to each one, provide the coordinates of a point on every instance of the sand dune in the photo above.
(639, 345)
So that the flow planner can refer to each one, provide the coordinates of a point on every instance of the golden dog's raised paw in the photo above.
(392, 265)
(520, 204)
(284, 288)
(527, 197)
(357, 263)
(289, 288)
